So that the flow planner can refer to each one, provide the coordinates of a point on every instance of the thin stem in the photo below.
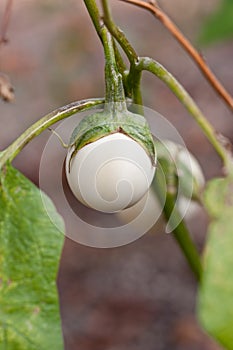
(119, 60)
(133, 82)
(123, 70)
(113, 79)
(94, 14)
(118, 34)
(195, 55)
(96, 19)
(180, 230)
(36, 129)
(216, 140)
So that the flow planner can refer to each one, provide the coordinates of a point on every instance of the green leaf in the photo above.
(215, 303)
(218, 26)
(30, 249)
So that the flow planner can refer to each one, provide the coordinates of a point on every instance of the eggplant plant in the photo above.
(108, 146)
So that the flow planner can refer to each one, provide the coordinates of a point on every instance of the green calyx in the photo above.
(101, 124)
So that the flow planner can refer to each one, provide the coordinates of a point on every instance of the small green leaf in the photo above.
(215, 304)
(218, 26)
(30, 249)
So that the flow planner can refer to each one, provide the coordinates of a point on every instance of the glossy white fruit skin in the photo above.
(110, 174)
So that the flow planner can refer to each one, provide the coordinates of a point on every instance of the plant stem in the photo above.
(94, 14)
(195, 55)
(180, 231)
(96, 19)
(118, 34)
(134, 81)
(157, 69)
(133, 84)
(119, 60)
(36, 129)
(113, 79)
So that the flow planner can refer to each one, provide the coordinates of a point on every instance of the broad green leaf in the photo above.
(215, 304)
(30, 249)
(220, 25)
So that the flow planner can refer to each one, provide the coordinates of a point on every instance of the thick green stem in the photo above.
(134, 82)
(154, 67)
(36, 129)
(114, 85)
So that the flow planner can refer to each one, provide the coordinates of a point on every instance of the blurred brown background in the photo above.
(140, 296)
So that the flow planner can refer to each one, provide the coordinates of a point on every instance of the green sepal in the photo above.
(101, 124)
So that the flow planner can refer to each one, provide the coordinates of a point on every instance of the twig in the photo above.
(157, 69)
(133, 78)
(93, 11)
(42, 124)
(5, 22)
(118, 34)
(197, 57)
(94, 14)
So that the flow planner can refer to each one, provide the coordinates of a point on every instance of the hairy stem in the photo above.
(36, 129)
(185, 43)
(216, 140)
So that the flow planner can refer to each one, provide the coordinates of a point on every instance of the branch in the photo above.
(94, 14)
(36, 129)
(217, 141)
(118, 34)
(93, 11)
(195, 55)
(133, 79)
